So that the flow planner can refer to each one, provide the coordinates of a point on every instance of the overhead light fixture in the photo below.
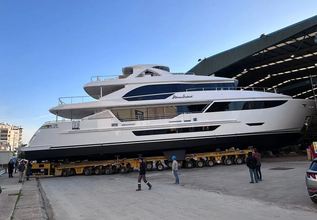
(292, 56)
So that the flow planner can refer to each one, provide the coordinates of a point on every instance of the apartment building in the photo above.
(10, 137)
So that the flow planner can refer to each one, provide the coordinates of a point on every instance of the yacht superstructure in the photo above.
(148, 110)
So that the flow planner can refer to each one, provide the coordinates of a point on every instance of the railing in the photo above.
(260, 89)
(74, 99)
(102, 78)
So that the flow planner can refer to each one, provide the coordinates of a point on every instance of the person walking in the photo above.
(251, 164)
(142, 172)
(16, 164)
(28, 170)
(257, 156)
(175, 169)
(21, 169)
(10, 168)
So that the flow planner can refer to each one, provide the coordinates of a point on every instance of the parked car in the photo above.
(311, 180)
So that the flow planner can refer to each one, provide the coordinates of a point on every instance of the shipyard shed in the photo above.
(284, 61)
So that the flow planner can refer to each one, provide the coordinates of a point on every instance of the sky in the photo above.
(51, 48)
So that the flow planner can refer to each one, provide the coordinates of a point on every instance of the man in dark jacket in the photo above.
(251, 163)
(28, 170)
(257, 156)
(10, 168)
(21, 169)
(142, 175)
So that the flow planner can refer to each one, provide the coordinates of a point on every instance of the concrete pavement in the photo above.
(221, 192)
(10, 192)
(21, 201)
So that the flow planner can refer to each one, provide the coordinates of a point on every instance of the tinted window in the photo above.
(243, 105)
(190, 108)
(313, 166)
(153, 113)
(175, 130)
(162, 91)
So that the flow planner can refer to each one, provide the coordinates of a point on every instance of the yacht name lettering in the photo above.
(182, 97)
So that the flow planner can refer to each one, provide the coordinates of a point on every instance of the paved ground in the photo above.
(8, 197)
(211, 193)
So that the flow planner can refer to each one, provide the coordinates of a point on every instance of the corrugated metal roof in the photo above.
(224, 59)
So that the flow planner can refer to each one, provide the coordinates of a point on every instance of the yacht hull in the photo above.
(134, 149)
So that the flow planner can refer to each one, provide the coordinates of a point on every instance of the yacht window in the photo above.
(243, 105)
(162, 91)
(165, 68)
(49, 126)
(190, 108)
(175, 130)
(75, 125)
(155, 113)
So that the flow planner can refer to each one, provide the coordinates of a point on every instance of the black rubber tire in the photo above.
(72, 172)
(87, 172)
(98, 171)
(210, 163)
(108, 171)
(239, 160)
(189, 164)
(149, 166)
(129, 168)
(159, 167)
(228, 161)
(114, 169)
(65, 172)
(123, 170)
(169, 164)
(200, 163)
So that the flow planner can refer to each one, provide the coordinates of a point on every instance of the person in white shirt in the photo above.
(175, 169)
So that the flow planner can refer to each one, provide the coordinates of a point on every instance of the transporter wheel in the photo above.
(239, 160)
(129, 168)
(65, 172)
(98, 171)
(169, 164)
(114, 169)
(108, 171)
(159, 166)
(149, 166)
(72, 172)
(228, 161)
(211, 163)
(123, 170)
(200, 163)
(189, 164)
(87, 171)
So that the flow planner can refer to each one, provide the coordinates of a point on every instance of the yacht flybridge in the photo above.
(148, 109)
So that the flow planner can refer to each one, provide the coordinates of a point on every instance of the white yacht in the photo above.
(149, 110)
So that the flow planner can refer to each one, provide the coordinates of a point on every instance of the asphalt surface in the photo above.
(10, 192)
(220, 192)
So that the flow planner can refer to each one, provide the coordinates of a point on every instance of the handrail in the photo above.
(82, 99)
(102, 78)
